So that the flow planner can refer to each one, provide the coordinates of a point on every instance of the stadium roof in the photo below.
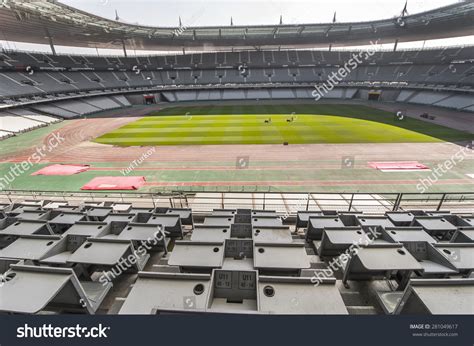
(48, 21)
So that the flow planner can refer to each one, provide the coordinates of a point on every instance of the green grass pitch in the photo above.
(246, 125)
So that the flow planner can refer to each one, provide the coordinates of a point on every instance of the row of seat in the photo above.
(232, 260)
(15, 124)
(22, 84)
(13, 58)
(61, 250)
(230, 241)
(429, 254)
(239, 261)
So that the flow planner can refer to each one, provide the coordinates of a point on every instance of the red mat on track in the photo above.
(115, 183)
(398, 166)
(62, 170)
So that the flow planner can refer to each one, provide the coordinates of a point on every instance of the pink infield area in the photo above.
(397, 166)
(115, 183)
(62, 170)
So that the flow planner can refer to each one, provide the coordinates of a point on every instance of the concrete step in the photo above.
(354, 298)
(362, 310)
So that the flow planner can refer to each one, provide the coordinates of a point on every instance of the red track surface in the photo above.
(77, 148)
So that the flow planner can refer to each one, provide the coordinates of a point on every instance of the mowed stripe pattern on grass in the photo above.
(303, 125)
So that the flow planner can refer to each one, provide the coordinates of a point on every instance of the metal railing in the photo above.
(288, 203)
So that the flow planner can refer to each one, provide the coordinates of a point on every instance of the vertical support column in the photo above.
(124, 49)
(330, 47)
(50, 39)
(395, 45)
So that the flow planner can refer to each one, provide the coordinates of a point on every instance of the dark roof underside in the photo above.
(36, 21)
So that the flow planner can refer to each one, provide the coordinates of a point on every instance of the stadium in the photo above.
(293, 168)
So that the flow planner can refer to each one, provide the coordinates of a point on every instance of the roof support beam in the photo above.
(327, 31)
(275, 33)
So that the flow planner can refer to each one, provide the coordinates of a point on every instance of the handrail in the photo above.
(291, 202)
